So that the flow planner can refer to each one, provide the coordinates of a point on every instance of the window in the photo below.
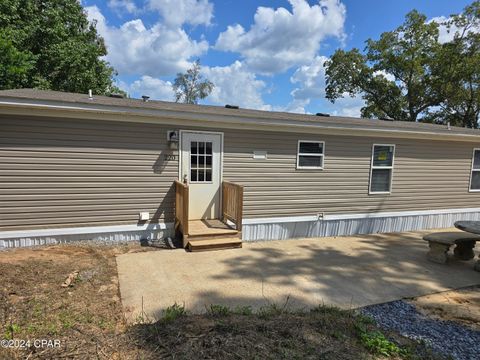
(310, 154)
(475, 175)
(381, 169)
(200, 161)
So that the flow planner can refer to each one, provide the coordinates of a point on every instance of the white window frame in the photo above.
(372, 167)
(472, 170)
(322, 155)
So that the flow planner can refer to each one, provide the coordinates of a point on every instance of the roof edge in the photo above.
(23, 106)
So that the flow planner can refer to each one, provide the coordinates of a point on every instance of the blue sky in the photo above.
(259, 54)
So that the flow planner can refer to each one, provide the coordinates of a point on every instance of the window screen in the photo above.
(475, 176)
(381, 168)
(310, 154)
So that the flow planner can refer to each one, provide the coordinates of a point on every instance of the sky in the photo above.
(265, 54)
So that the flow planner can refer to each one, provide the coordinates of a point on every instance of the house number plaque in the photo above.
(170, 157)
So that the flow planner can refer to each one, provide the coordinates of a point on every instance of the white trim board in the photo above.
(309, 218)
(83, 230)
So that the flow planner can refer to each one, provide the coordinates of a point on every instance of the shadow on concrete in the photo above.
(344, 271)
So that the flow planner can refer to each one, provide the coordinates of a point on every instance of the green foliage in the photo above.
(404, 54)
(173, 312)
(191, 87)
(407, 74)
(459, 67)
(331, 310)
(218, 310)
(377, 343)
(51, 45)
(270, 310)
(15, 65)
(12, 329)
(243, 310)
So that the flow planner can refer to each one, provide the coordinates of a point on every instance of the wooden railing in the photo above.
(181, 210)
(232, 203)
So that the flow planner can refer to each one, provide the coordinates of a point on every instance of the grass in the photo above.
(272, 332)
(173, 312)
(218, 310)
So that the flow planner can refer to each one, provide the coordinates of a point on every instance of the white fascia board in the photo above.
(310, 218)
(83, 230)
(186, 118)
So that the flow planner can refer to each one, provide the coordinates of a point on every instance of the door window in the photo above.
(201, 161)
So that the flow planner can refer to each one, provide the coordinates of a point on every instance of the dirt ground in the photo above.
(87, 318)
(462, 306)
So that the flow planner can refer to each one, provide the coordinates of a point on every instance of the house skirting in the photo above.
(254, 229)
(352, 224)
(100, 234)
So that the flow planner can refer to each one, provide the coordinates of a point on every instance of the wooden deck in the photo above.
(212, 235)
(195, 233)
(209, 227)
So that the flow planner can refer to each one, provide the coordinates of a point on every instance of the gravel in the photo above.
(444, 337)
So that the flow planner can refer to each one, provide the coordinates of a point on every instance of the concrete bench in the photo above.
(441, 242)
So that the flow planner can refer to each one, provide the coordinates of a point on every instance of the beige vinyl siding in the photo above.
(68, 173)
(426, 175)
(62, 173)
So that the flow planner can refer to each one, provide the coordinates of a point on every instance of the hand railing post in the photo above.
(232, 203)
(181, 210)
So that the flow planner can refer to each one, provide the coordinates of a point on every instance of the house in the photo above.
(80, 167)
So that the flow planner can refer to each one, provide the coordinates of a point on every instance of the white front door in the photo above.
(201, 167)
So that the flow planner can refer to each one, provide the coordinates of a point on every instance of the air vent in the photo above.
(116, 95)
(145, 98)
(384, 118)
(231, 106)
(322, 114)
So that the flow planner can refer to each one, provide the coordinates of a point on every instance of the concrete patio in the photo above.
(344, 271)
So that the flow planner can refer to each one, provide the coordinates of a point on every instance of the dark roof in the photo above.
(52, 96)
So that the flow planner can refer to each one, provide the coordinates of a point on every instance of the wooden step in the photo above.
(215, 235)
(214, 244)
(210, 229)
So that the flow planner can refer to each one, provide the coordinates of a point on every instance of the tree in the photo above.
(189, 87)
(15, 65)
(50, 44)
(394, 74)
(458, 66)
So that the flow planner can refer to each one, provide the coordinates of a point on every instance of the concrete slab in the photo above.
(344, 271)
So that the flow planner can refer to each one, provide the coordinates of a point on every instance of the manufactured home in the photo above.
(74, 166)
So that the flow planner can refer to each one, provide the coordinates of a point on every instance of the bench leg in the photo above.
(464, 250)
(477, 264)
(438, 252)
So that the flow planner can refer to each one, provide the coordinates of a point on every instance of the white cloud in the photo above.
(294, 106)
(310, 81)
(386, 75)
(279, 39)
(447, 34)
(178, 12)
(236, 86)
(157, 89)
(348, 106)
(120, 6)
(155, 51)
